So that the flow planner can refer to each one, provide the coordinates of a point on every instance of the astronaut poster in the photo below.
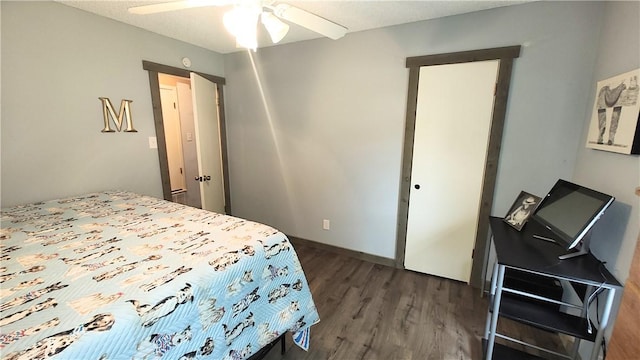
(616, 114)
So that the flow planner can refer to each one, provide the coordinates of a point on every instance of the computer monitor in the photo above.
(570, 211)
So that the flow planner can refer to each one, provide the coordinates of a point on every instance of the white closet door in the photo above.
(453, 120)
(173, 137)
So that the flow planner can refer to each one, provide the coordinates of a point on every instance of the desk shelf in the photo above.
(502, 352)
(545, 318)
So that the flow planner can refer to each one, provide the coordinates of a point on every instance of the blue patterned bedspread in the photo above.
(116, 275)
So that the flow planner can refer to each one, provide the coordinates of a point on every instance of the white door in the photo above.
(453, 120)
(207, 131)
(173, 137)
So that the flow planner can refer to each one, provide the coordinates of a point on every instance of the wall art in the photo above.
(615, 119)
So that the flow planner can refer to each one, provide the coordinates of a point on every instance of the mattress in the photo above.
(116, 275)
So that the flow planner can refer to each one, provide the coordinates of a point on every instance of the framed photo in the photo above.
(615, 121)
(522, 209)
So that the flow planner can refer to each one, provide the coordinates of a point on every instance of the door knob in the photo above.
(417, 186)
(203, 178)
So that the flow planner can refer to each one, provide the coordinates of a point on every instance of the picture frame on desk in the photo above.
(522, 209)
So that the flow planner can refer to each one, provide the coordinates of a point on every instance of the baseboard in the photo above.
(338, 250)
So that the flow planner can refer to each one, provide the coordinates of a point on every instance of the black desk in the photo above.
(521, 251)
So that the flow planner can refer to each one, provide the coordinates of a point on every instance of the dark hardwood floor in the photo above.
(370, 311)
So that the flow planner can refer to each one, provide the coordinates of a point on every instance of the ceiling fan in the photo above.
(242, 20)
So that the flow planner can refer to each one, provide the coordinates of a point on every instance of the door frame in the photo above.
(154, 84)
(505, 67)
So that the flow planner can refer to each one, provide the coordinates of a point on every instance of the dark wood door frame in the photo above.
(154, 84)
(506, 56)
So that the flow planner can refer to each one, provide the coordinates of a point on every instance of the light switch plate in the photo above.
(153, 142)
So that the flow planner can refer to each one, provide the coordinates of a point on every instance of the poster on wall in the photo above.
(615, 119)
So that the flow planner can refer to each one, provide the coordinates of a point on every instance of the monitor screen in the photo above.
(570, 210)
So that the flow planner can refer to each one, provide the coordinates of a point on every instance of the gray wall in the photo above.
(616, 234)
(56, 62)
(323, 140)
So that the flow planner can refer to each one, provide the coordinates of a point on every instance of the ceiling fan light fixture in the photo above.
(242, 22)
(276, 28)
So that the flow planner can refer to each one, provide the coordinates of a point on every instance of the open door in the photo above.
(207, 131)
(209, 97)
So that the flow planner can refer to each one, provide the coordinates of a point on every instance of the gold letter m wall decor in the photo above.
(109, 113)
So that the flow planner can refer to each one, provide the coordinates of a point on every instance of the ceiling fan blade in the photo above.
(310, 21)
(176, 5)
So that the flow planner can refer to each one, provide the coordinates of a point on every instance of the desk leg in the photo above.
(496, 310)
(603, 324)
(492, 292)
(485, 266)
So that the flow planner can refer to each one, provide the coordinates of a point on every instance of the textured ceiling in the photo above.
(203, 26)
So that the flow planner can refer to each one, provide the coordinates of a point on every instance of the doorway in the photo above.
(212, 105)
(488, 171)
(453, 117)
(177, 118)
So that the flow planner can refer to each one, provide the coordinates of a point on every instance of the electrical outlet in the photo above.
(326, 224)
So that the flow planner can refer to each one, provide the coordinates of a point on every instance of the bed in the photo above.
(117, 275)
